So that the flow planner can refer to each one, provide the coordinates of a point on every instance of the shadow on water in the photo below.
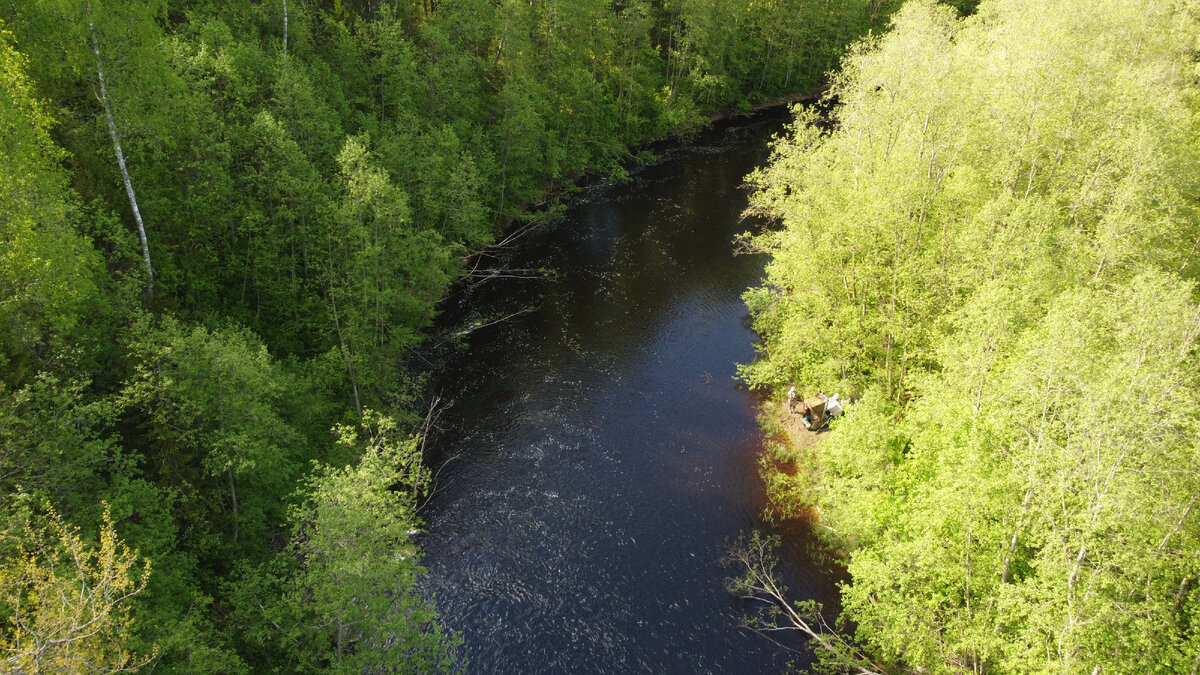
(604, 455)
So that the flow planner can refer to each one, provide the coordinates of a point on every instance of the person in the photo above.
(792, 399)
(833, 406)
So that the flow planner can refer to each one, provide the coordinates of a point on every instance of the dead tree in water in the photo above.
(753, 560)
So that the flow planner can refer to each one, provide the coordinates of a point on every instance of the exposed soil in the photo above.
(799, 438)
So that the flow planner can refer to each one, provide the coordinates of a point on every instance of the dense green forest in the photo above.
(994, 245)
(224, 227)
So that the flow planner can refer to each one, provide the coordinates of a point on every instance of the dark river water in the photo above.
(601, 454)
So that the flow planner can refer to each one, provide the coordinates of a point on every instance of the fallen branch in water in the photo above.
(436, 408)
(518, 233)
(472, 329)
(755, 558)
(513, 273)
(504, 243)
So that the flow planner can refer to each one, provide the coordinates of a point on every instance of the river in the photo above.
(599, 454)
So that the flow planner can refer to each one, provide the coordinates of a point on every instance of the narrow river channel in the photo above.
(601, 455)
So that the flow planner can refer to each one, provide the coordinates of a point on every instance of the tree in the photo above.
(209, 407)
(866, 257)
(752, 560)
(65, 603)
(70, 39)
(116, 141)
(285, 199)
(383, 274)
(47, 271)
(348, 598)
(990, 245)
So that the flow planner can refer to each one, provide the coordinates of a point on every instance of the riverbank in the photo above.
(805, 97)
(789, 463)
(639, 153)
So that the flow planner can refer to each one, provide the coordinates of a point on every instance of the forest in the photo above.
(224, 231)
(992, 243)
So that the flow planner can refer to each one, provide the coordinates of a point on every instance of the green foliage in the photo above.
(309, 177)
(995, 243)
(1041, 510)
(347, 603)
(51, 444)
(65, 603)
(384, 275)
(47, 271)
(208, 404)
(934, 186)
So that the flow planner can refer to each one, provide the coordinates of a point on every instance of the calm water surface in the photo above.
(603, 454)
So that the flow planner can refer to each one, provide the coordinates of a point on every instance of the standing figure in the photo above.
(792, 399)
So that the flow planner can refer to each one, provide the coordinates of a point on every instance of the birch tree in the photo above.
(383, 274)
(107, 103)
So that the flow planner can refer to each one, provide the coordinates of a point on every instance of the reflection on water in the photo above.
(604, 455)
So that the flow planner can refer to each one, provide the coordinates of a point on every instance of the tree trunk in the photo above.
(342, 342)
(233, 501)
(1012, 545)
(116, 141)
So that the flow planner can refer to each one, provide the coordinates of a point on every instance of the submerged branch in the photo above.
(754, 559)
(472, 329)
(513, 273)
(436, 408)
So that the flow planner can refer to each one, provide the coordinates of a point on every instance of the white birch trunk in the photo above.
(116, 141)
